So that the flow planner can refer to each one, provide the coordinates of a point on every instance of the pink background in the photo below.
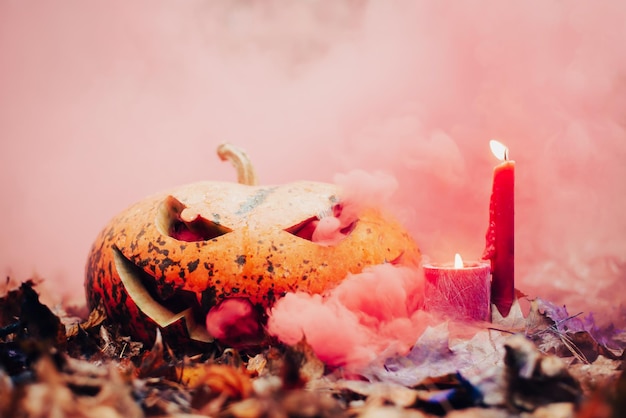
(102, 103)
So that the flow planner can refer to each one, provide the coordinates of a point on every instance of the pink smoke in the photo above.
(359, 190)
(369, 313)
(103, 103)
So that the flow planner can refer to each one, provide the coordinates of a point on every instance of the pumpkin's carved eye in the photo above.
(170, 221)
(305, 228)
(315, 228)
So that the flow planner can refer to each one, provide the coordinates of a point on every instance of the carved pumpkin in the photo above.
(165, 261)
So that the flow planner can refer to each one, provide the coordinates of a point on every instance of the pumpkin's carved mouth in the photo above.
(141, 287)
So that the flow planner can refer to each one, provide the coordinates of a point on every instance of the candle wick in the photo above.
(506, 154)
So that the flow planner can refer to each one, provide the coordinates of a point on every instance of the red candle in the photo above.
(500, 234)
(460, 291)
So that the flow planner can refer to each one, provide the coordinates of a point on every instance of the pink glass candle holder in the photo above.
(462, 292)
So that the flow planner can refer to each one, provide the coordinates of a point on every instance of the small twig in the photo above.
(554, 327)
(572, 347)
(123, 349)
(567, 319)
(502, 330)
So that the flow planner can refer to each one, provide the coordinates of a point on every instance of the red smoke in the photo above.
(104, 103)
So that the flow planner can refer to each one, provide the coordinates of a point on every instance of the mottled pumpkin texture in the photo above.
(234, 242)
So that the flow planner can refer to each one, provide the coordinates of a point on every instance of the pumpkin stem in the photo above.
(238, 158)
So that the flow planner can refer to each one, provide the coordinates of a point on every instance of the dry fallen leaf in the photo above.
(482, 413)
(478, 359)
(283, 404)
(600, 374)
(534, 379)
(81, 390)
(557, 332)
(96, 318)
(555, 410)
(514, 322)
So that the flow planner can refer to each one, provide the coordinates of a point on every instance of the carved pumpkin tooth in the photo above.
(187, 258)
(189, 215)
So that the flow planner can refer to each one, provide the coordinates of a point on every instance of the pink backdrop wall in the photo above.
(102, 103)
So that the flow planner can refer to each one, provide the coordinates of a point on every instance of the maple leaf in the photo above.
(477, 360)
(514, 322)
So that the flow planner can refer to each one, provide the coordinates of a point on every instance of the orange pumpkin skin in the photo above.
(146, 278)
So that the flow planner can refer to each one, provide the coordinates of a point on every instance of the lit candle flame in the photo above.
(499, 150)
(458, 261)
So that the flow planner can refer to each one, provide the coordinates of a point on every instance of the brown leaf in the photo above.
(481, 413)
(606, 401)
(537, 322)
(222, 379)
(114, 346)
(159, 397)
(534, 379)
(40, 323)
(390, 412)
(600, 374)
(82, 390)
(256, 365)
(300, 365)
(22, 313)
(220, 385)
(96, 318)
(153, 363)
(555, 410)
(377, 393)
(11, 301)
(293, 403)
(6, 393)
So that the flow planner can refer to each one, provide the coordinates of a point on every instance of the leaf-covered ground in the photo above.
(545, 364)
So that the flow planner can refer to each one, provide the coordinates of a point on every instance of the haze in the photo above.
(102, 103)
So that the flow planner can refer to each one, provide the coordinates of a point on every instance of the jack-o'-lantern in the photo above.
(167, 260)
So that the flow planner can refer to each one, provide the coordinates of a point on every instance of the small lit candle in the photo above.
(460, 290)
(500, 244)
